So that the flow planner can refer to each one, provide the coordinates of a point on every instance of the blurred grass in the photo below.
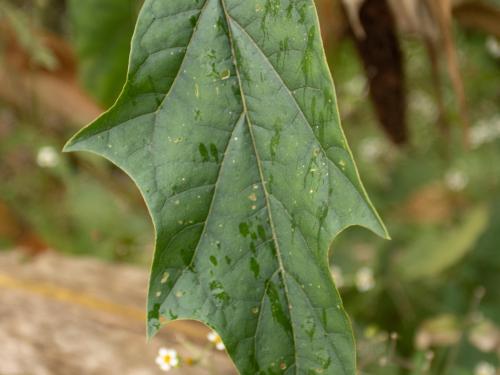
(425, 192)
(67, 206)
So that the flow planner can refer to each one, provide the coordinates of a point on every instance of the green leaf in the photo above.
(432, 254)
(228, 124)
(101, 31)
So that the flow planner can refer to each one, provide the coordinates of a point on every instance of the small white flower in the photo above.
(484, 368)
(338, 276)
(371, 149)
(485, 336)
(456, 180)
(493, 47)
(215, 339)
(47, 157)
(365, 280)
(422, 102)
(167, 359)
(485, 131)
(356, 86)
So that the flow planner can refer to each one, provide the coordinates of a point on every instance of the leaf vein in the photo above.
(281, 268)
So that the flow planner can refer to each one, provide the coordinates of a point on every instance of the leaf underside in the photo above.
(228, 124)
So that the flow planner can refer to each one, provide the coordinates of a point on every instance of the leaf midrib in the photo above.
(281, 268)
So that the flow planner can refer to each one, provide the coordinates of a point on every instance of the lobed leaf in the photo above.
(229, 126)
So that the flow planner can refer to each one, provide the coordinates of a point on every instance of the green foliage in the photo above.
(28, 40)
(228, 125)
(393, 178)
(101, 31)
(435, 252)
(84, 222)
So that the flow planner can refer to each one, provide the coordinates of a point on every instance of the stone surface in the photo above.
(61, 315)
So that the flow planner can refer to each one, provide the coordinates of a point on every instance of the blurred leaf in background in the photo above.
(434, 252)
(101, 31)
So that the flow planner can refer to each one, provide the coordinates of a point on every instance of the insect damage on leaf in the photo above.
(228, 124)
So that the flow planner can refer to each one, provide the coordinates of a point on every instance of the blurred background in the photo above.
(418, 84)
